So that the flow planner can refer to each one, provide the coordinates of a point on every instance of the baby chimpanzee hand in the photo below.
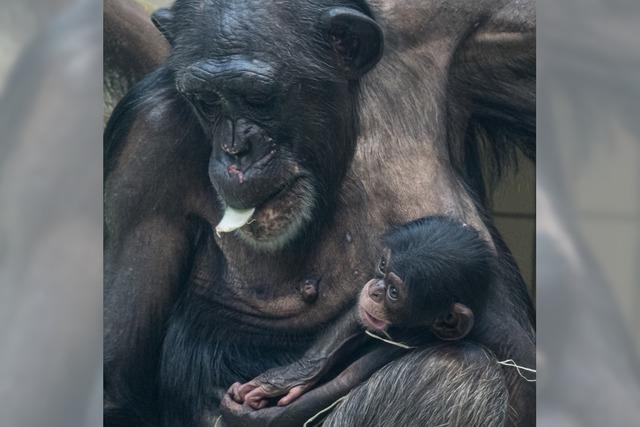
(290, 382)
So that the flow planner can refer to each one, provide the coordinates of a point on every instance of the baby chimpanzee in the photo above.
(433, 275)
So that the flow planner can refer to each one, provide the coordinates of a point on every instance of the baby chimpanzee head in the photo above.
(434, 273)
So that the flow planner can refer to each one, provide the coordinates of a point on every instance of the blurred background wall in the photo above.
(18, 22)
(50, 213)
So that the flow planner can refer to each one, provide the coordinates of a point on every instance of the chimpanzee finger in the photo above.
(255, 402)
(258, 395)
(233, 392)
(293, 394)
(246, 388)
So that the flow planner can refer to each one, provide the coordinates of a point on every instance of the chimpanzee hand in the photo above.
(289, 381)
(296, 414)
(235, 414)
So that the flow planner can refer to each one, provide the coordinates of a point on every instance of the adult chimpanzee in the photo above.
(288, 109)
(432, 280)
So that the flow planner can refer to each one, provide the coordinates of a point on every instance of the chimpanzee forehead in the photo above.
(253, 22)
(268, 30)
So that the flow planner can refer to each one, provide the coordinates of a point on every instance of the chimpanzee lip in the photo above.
(264, 201)
(278, 192)
(278, 219)
(281, 192)
(373, 321)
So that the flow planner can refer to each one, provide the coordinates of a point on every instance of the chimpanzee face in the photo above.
(395, 299)
(274, 90)
(385, 300)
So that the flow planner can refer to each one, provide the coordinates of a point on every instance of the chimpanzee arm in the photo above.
(235, 414)
(493, 80)
(151, 183)
(133, 47)
(293, 380)
(494, 74)
(139, 293)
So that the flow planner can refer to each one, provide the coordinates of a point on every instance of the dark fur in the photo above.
(441, 262)
(160, 209)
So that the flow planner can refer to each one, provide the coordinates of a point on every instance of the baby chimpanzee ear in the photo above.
(455, 324)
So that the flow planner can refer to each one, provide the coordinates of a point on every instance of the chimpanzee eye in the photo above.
(392, 293)
(258, 100)
(208, 102)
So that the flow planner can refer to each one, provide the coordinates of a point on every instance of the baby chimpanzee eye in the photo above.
(392, 293)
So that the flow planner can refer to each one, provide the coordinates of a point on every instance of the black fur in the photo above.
(441, 262)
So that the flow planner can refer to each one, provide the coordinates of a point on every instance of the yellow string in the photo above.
(509, 362)
(389, 341)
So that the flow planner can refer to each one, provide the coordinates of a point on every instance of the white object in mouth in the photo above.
(234, 219)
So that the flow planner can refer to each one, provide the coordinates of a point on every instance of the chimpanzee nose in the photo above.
(243, 139)
(234, 140)
(377, 290)
(236, 149)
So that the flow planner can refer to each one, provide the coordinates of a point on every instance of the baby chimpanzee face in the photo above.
(386, 301)
(430, 277)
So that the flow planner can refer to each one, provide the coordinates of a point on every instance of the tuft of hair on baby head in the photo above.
(442, 261)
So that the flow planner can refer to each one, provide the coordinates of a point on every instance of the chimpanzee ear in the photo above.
(356, 39)
(455, 324)
(163, 19)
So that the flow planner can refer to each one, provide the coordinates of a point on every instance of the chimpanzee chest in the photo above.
(292, 293)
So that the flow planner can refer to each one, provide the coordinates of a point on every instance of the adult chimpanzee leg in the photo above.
(448, 384)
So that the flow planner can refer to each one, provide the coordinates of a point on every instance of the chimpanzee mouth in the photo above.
(371, 322)
(276, 220)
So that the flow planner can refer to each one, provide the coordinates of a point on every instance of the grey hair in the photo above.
(306, 206)
(448, 385)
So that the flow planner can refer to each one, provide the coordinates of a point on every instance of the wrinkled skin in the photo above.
(196, 312)
(310, 403)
